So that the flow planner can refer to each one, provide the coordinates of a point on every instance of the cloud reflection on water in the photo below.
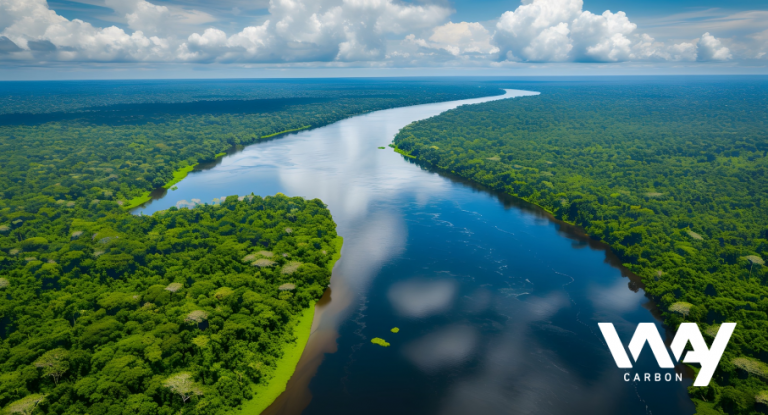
(501, 347)
(442, 349)
(421, 298)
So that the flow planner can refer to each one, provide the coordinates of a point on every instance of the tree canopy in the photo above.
(183, 311)
(673, 176)
(139, 309)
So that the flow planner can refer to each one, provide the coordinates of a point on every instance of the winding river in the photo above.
(497, 303)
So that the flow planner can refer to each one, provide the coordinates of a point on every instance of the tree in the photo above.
(4, 283)
(734, 401)
(197, 317)
(174, 287)
(681, 308)
(25, 405)
(183, 385)
(54, 363)
(754, 259)
(112, 350)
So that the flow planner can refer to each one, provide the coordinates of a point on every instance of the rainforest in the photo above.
(105, 312)
(164, 244)
(672, 175)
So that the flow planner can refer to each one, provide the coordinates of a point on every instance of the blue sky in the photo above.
(62, 39)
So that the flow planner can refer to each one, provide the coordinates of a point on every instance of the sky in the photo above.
(118, 39)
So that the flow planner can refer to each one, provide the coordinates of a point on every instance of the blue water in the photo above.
(497, 304)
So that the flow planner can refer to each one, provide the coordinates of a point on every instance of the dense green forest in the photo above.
(86, 97)
(105, 312)
(673, 176)
(103, 155)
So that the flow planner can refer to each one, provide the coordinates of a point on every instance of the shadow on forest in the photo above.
(121, 114)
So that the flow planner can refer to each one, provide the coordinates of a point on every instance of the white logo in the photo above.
(688, 332)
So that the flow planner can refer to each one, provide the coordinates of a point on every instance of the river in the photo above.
(497, 303)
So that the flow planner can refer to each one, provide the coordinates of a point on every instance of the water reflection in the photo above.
(442, 349)
(496, 302)
(417, 298)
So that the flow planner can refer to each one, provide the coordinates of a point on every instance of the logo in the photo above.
(688, 332)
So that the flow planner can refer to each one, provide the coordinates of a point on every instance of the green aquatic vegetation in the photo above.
(137, 201)
(405, 153)
(276, 380)
(381, 148)
(395, 330)
(179, 175)
(286, 131)
(381, 342)
(672, 177)
(336, 244)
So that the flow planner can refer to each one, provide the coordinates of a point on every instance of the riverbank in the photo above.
(630, 201)
(181, 173)
(285, 132)
(266, 393)
(408, 228)
(178, 175)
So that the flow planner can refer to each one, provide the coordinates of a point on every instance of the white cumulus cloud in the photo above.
(457, 39)
(369, 32)
(559, 30)
(712, 49)
(141, 15)
(43, 34)
(602, 37)
(320, 30)
(538, 30)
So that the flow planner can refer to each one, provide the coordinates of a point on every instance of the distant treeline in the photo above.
(673, 177)
(129, 156)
